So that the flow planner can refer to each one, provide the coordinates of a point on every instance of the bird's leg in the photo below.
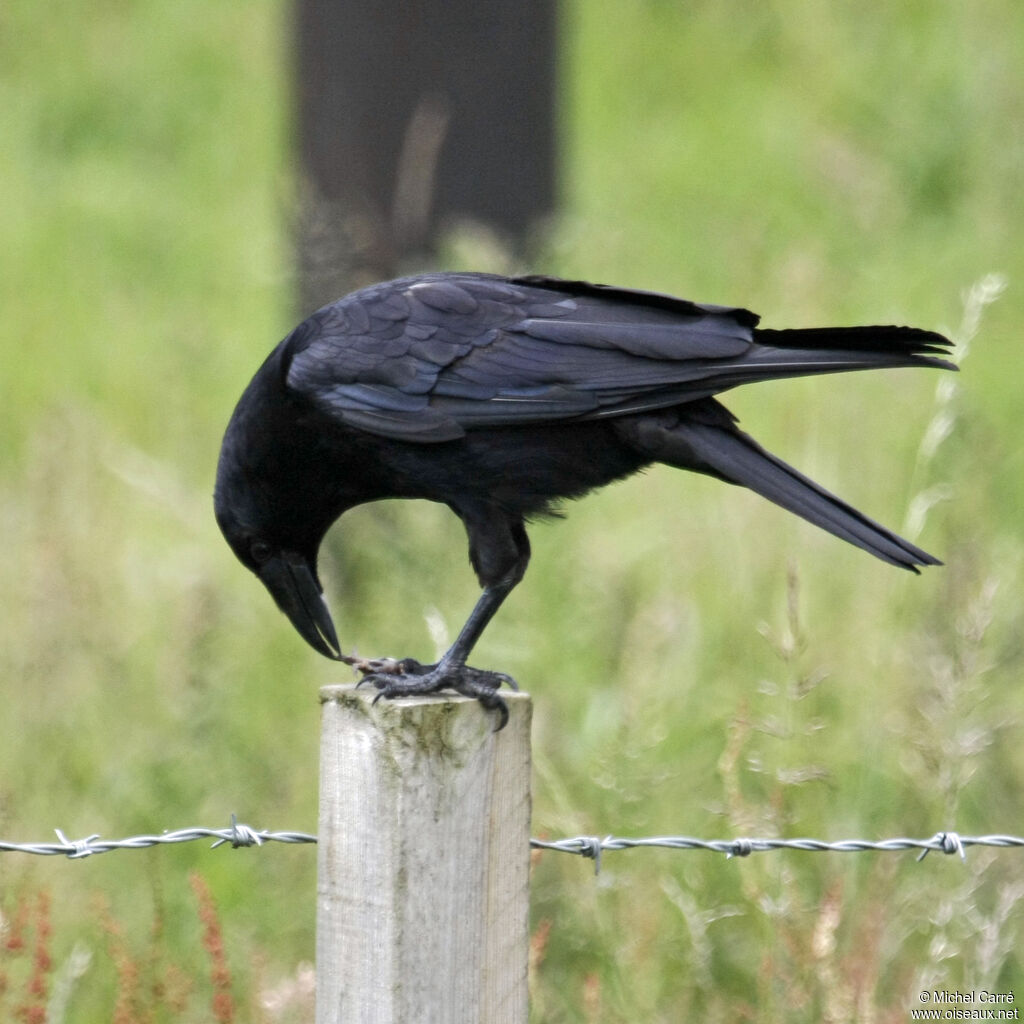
(499, 552)
(407, 677)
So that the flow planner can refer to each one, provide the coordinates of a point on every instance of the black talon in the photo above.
(408, 678)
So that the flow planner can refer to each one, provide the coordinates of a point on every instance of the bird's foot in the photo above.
(407, 677)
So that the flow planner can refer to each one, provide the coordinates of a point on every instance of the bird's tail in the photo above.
(907, 344)
(709, 442)
(805, 351)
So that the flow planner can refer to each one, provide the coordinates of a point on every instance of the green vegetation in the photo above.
(720, 669)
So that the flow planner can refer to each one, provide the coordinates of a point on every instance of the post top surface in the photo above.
(345, 692)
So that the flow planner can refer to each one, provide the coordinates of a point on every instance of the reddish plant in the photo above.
(213, 942)
(33, 1010)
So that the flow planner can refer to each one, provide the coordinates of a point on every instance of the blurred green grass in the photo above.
(701, 662)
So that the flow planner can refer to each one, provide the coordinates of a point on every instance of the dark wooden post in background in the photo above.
(412, 113)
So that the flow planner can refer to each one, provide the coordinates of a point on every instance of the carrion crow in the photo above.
(501, 397)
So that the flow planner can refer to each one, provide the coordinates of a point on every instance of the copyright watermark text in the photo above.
(952, 1004)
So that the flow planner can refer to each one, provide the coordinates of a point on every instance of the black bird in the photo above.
(501, 397)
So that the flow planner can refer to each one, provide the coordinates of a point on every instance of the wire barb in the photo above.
(947, 842)
(241, 835)
(79, 847)
(740, 848)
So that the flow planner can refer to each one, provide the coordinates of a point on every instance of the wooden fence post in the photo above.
(423, 891)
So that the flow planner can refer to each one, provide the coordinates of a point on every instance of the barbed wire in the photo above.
(591, 847)
(75, 849)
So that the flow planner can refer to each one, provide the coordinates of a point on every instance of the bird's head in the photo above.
(276, 495)
(289, 572)
(274, 524)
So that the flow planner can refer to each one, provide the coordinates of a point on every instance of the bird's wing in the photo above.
(427, 358)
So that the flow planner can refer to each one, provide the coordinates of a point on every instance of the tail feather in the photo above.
(731, 455)
(804, 352)
(768, 362)
(920, 345)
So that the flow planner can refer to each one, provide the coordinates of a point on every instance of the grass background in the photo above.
(718, 669)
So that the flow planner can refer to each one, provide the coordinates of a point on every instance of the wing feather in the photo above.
(426, 358)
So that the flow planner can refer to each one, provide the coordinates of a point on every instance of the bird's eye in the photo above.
(260, 551)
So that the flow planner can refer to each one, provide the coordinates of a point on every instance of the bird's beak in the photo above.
(293, 585)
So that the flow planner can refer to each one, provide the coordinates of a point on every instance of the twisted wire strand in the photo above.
(76, 849)
(592, 847)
